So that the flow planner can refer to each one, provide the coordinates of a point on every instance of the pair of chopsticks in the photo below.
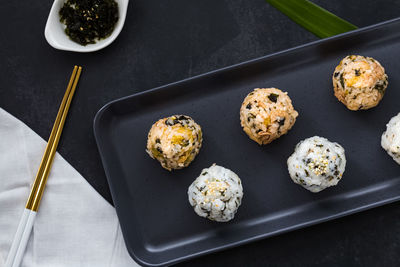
(28, 217)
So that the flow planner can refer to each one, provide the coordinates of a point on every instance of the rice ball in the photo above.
(317, 163)
(359, 82)
(174, 141)
(266, 114)
(216, 194)
(391, 138)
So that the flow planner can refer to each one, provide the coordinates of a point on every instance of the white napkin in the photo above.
(74, 226)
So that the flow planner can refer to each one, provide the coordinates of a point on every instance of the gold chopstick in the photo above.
(45, 165)
(27, 220)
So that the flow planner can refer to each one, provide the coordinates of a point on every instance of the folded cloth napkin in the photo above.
(75, 226)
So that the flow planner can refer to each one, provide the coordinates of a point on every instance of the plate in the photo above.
(159, 225)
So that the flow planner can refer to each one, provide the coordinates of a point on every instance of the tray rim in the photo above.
(102, 110)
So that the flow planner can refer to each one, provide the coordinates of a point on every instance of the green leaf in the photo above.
(313, 18)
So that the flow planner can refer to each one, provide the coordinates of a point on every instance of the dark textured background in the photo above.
(166, 41)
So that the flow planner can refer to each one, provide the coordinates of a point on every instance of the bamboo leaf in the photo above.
(313, 18)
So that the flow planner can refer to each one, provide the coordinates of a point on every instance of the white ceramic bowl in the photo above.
(56, 37)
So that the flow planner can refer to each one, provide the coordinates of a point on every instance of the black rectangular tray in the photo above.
(158, 224)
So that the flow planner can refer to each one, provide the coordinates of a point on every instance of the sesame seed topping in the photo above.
(319, 166)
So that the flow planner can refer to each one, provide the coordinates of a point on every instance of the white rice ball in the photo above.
(317, 163)
(391, 138)
(216, 194)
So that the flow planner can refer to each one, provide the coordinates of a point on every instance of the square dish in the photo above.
(159, 225)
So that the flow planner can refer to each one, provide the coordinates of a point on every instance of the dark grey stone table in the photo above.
(166, 41)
